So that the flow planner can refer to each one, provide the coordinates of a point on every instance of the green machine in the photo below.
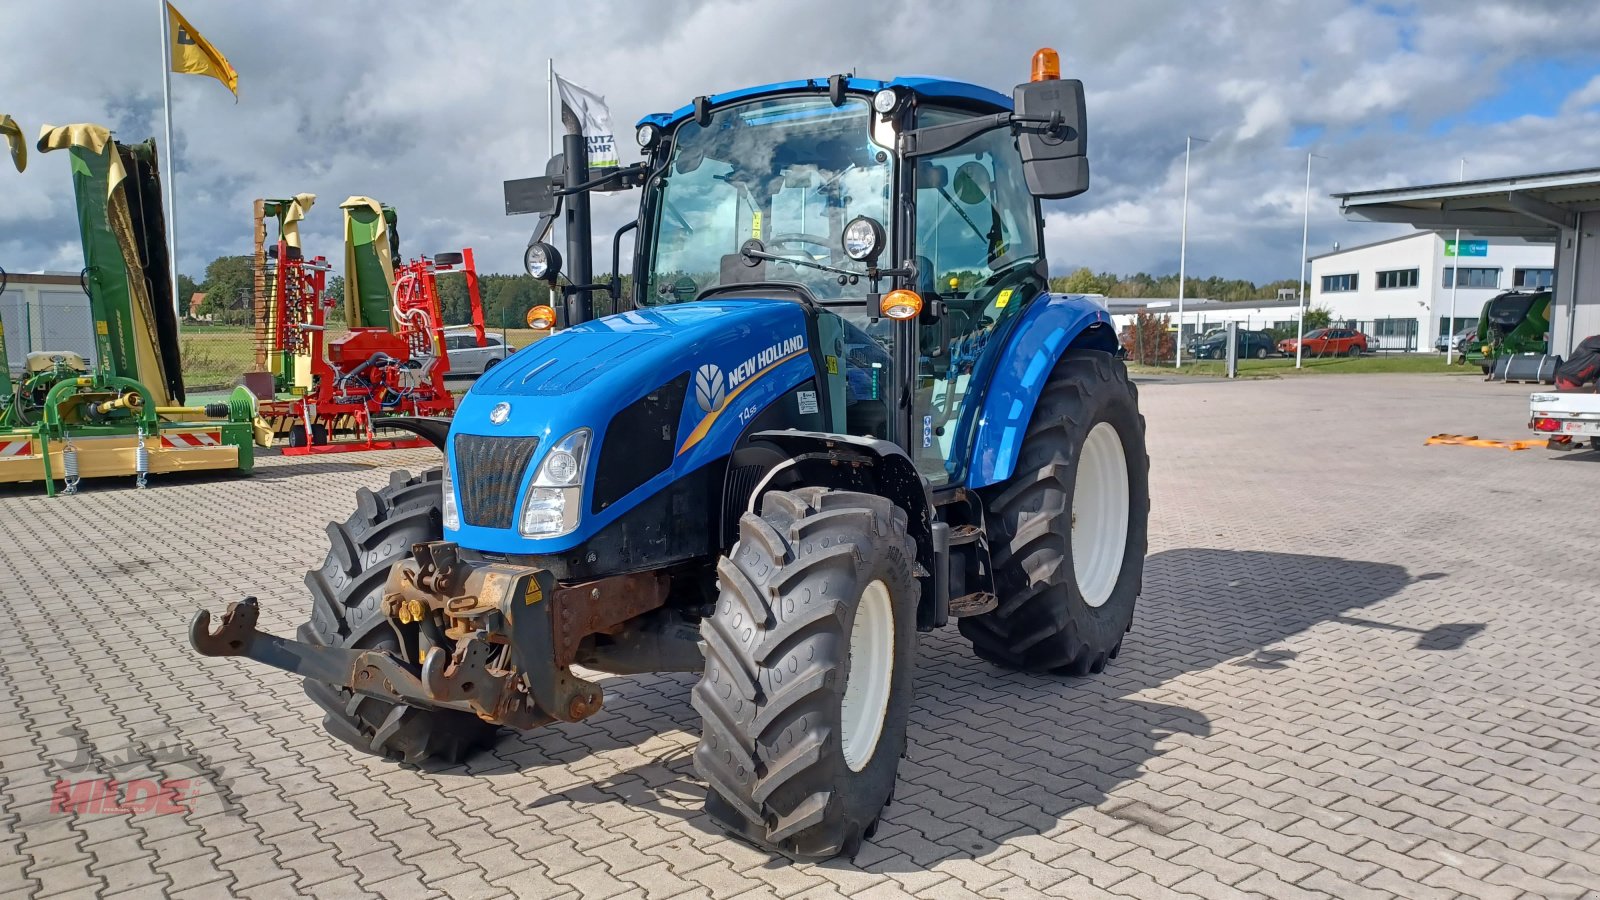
(123, 412)
(1512, 323)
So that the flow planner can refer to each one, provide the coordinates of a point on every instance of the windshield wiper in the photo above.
(753, 251)
(964, 217)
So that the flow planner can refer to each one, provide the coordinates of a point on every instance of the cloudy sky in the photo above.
(429, 106)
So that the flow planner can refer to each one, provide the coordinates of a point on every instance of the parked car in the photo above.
(1329, 342)
(1195, 340)
(1252, 344)
(467, 358)
(1461, 339)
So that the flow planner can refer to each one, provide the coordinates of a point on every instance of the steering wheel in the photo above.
(800, 238)
(998, 274)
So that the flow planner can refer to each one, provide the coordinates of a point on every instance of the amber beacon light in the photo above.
(1046, 65)
(541, 317)
(901, 304)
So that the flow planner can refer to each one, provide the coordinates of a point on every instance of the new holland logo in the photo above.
(500, 413)
(710, 387)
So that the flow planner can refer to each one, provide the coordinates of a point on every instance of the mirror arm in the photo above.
(937, 138)
(620, 175)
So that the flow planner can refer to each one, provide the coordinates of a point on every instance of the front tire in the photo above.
(1067, 532)
(807, 684)
(347, 611)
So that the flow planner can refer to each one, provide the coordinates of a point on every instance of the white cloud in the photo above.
(429, 108)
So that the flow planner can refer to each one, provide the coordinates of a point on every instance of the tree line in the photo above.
(229, 287)
(1143, 284)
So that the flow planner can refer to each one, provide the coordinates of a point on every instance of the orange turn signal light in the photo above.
(542, 318)
(901, 304)
(1046, 65)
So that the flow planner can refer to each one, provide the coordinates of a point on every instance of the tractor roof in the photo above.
(932, 88)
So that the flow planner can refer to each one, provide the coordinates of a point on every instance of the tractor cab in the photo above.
(837, 406)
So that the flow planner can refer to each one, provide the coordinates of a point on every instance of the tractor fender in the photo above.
(1048, 328)
(434, 430)
(850, 463)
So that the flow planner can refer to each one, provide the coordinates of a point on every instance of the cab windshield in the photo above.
(788, 171)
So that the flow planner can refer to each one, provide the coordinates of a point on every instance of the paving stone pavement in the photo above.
(1361, 667)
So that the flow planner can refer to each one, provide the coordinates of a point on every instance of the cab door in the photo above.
(977, 246)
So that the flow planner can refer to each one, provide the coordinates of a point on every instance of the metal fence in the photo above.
(1393, 335)
(57, 325)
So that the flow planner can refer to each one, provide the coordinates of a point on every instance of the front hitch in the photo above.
(375, 673)
(487, 609)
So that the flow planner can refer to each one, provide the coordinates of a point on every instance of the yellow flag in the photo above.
(194, 55)
(13, 135)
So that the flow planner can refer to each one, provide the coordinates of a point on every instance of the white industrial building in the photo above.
(1556, 209)
(1201, 314)
(1400, 291)
(48, 311)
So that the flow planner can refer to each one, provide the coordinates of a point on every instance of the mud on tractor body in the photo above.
(838, 408)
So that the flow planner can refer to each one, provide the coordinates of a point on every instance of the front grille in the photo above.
(488, 473)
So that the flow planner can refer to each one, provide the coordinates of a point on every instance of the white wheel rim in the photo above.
(1100, 514)
(866, 689)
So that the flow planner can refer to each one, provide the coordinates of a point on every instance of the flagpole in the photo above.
(172, 159)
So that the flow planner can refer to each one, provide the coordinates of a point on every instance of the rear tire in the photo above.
(347, 611)
(807, 684)
(1064, 600)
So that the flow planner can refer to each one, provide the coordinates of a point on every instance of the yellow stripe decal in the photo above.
(705, 424)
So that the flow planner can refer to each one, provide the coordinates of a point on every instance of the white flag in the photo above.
(596, 120)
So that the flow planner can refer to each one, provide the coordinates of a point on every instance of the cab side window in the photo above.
(977, 251)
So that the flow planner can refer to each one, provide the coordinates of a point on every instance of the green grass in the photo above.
(215, 355)
(1412, 363)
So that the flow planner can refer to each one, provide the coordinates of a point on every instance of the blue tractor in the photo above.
(837, 408)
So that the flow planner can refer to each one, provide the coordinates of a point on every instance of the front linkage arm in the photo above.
(486, 608)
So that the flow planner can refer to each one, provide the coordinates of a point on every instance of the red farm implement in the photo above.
(370, 372)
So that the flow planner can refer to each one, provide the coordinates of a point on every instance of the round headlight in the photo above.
(647, 135)
(541, 260)
(561, 467)
(885, 101)
(863, 239)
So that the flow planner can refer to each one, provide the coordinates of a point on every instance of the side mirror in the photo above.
(538, 195)
(1055, 160)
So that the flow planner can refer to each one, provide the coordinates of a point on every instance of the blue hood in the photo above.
(740, 355)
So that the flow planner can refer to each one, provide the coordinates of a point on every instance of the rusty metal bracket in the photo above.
(497, 695)
(602, 607)
(374, 673)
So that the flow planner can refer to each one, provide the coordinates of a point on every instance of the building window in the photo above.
(1534, 278)
(1332, 284)
(1462, 323)
(1397, 278)
(1473, 278)
(1394, 327)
